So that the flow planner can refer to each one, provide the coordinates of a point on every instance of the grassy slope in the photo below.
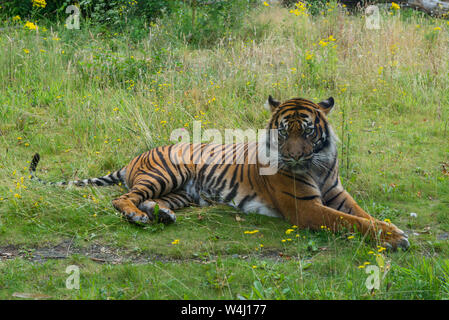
(75, 93)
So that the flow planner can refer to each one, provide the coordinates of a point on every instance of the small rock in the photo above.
(26, 295)
(443, 236)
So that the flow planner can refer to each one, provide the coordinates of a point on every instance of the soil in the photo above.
(104, 254)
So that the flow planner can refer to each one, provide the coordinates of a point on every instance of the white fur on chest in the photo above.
(260, 208)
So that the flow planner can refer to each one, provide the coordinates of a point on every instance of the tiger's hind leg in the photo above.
(166, 204)
(151, 176)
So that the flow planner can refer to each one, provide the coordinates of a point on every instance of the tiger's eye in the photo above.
(308, 131)
(283, 132)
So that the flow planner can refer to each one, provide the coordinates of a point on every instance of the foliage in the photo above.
(90, 100)
(204, 25)
(199, 23)
(100, 11)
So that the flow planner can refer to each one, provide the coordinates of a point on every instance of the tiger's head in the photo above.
(304, 136)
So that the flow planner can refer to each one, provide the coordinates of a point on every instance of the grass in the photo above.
(89, 101)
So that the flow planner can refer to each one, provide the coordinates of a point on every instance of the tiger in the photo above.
(305, 189)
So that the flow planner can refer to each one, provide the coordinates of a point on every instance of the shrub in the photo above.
(110, 12)
(203, 24)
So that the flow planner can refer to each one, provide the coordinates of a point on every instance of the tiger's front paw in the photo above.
(152, 209)
(393, 237)
(129, 210)
(139, 217)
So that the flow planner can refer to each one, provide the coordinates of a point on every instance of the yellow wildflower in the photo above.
(395, 6)
(30, 25)
(251, 232)
(39, 3)
(300, 9)
(322, 43)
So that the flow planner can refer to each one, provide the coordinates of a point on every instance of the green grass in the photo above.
(71, 94)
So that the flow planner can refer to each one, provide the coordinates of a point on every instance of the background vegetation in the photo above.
(90, 100)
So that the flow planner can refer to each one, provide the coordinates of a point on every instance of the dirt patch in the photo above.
(62, 250)
(104, 254)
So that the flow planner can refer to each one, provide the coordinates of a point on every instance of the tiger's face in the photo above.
(303, 131)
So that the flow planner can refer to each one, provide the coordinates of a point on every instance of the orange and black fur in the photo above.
(306, 189)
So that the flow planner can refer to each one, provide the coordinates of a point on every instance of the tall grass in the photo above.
(89, 101)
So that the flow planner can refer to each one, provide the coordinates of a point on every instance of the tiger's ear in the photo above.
(327, 105)
(271, 104)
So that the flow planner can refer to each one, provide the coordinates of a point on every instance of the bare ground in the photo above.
(104, 254)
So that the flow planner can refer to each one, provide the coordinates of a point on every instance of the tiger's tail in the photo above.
(113, 178)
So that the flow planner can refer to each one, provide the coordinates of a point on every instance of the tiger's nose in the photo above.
(295, 154)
